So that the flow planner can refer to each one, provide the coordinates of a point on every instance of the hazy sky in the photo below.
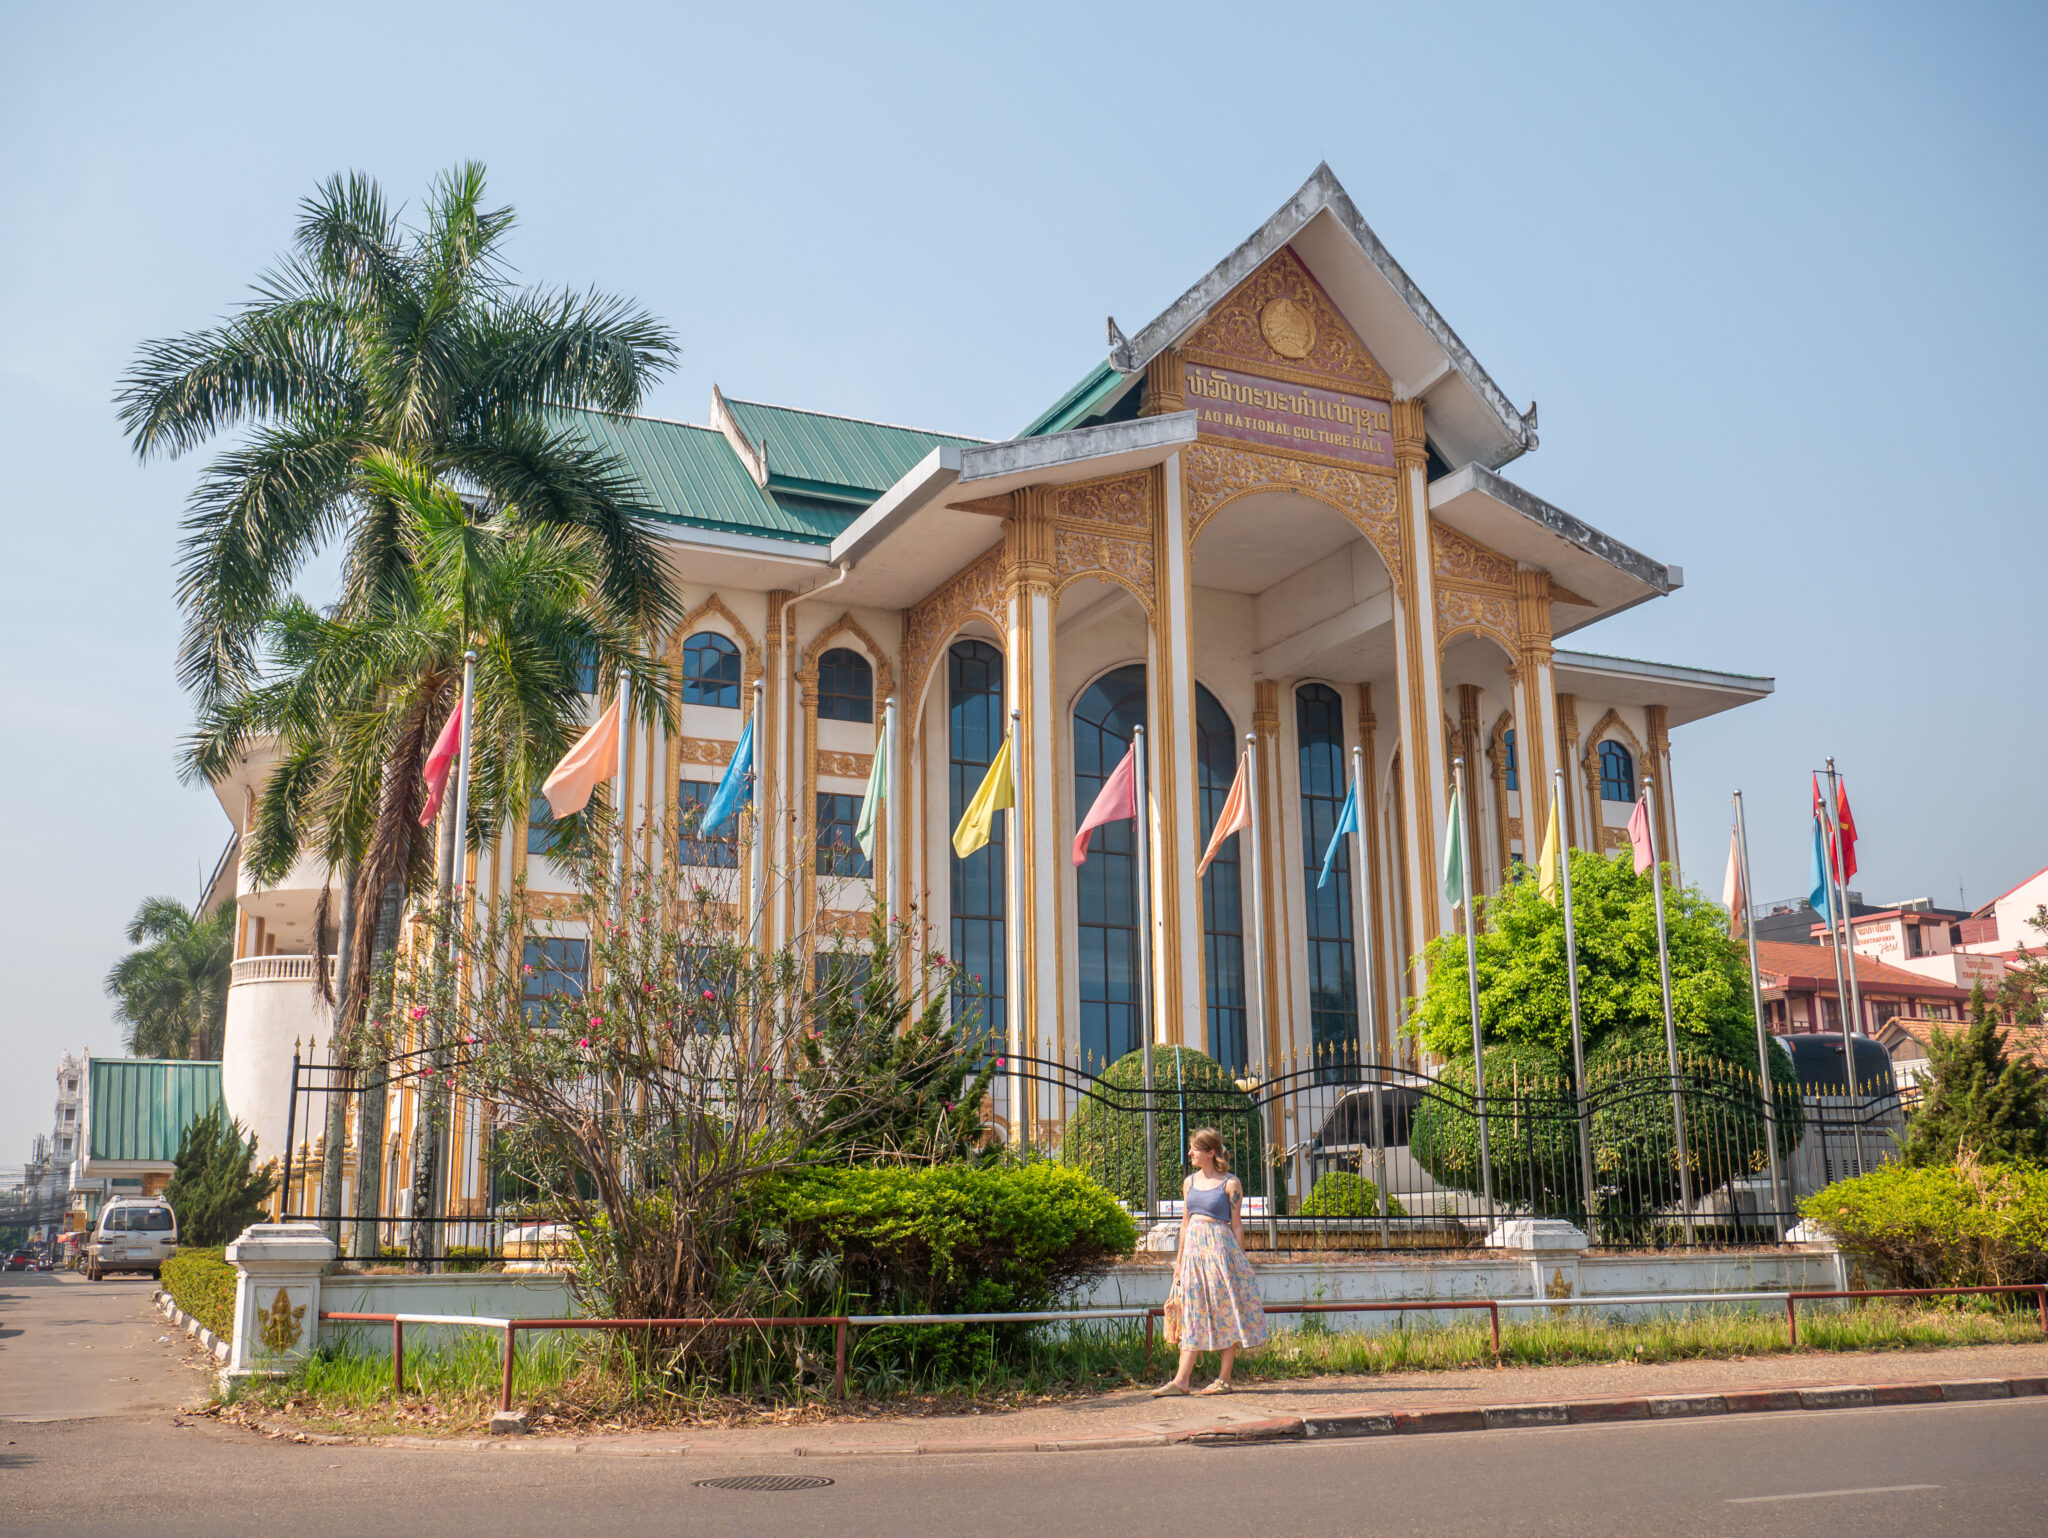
(1774, 273)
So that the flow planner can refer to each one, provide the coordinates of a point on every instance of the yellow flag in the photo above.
(997, 791)
(1546, 862)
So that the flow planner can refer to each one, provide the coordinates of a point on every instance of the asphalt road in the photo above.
(1954, 1469)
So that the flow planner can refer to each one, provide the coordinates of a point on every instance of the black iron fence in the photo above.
(1338, 1154)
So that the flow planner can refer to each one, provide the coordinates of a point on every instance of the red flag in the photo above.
(1118, 799)
(1845, 824)
(439, 762)
(1639, 834)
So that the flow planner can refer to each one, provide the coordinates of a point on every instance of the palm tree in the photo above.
(354, 696)
(370, 337)
(172, 992)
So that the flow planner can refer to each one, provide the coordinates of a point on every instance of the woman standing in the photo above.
(1219, 1295)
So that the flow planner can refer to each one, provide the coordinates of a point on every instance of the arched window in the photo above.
(1222, 894)
(846, 686)
(975, 724)
(1106, 888)
(711, 671)
(1507, 741)
(1617, 773)
(1332, 984)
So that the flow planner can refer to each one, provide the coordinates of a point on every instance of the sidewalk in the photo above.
(1468, 1400)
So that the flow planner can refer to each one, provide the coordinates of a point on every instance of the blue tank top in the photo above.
(1210, 1202)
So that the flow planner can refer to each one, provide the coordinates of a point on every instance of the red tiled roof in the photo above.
(1784, 963)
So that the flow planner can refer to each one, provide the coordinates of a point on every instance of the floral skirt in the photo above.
(1219, 1295)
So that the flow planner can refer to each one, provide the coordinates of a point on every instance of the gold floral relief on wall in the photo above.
(1214, 475)
(973, 592)
(1279, 323)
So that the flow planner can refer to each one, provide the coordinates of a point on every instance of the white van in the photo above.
(133, 1234)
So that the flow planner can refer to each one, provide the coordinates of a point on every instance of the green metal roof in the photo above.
(1071, 409)
(812, 452)
(139, 1107)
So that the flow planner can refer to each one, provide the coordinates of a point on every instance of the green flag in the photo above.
(1454, 852)
(878, 789)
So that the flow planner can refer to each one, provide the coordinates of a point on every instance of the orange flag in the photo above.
(1235, 817)
(594, 759)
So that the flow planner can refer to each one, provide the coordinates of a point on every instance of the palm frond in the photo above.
(569, 349)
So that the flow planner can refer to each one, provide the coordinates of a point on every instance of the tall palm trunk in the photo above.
(376, 1082)
(340, 1066)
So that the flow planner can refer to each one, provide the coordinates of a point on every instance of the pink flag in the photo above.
(1639, 834)
(1118, 799)
(594, 759)
(439, 762)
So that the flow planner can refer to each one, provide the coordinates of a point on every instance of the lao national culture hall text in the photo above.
(1280, 509)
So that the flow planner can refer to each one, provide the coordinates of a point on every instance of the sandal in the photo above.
(1218, 1387)
(1168, 1390)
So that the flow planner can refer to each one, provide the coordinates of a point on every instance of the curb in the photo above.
(1306, 1428)
(192, 1327)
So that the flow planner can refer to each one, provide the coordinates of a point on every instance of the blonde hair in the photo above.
(1210, 1141)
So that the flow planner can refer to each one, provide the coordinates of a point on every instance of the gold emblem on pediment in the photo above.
(1288, 328)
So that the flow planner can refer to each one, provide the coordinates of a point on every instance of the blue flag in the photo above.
(1347, 822)
(1819, 875)
(736, 787)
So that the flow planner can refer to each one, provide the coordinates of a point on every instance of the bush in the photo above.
(1341, 1194)
(202, 1283)
(955, 1238)
(1944, 1225)
(1531, 1132)
(1108, 1141)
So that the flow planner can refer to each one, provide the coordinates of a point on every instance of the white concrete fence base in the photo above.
(277, 1298)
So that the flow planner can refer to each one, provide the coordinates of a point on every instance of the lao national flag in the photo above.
(1845, 828)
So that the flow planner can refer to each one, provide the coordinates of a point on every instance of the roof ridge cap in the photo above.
(841, 416)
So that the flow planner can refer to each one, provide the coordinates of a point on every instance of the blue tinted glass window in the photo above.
(846, 686)
(540, 826)
(1216, 754)
(720, 853)
(1332, 985)
(1105, 889)
(838, 850)
(711, 671)
(556, 970)
(1617, 773)
(1514, 768)
(975, 724)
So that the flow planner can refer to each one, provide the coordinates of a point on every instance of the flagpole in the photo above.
(462, 797)
(1472, 981)
(1255, 996)
(1144, 856)
(1363, 959)
(1571, 977)
(756, 896)
(1849, 1001)
(886, 821)
(1670, 1026)
(1013, 850)
(1763, 1038)
(619, 793)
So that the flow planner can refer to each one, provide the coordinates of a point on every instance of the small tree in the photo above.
(1980, 1100)
(216, 1189)
(1106, 1137)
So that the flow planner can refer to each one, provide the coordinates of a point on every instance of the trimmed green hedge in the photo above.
(955, 1238)
(1341, 1194)
(1942, 1225)
(1535, 1157)
(1110, 1144)
(202, 1283)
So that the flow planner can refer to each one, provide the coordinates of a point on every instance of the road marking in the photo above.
(1821, 1495)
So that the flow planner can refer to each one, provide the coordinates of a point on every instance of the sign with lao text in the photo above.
(1306, 418)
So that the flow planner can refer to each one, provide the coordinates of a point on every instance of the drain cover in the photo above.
(764, 1482)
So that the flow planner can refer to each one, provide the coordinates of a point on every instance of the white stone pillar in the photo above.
(277, 1298)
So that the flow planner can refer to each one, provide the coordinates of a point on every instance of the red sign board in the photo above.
(1272, 414)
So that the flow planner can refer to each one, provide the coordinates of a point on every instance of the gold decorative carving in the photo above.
(1478, 611)
(973, 592)
(704, 750)
(842, 923)
(1282, 300)
(1214, 475)
(846, 766)
(1514, 827)
(1457, 557)
(1612, 838)
(282, 1323)
(998, 506)
(1288, 328)
(846, 624)
(714, 605)
(1122, 502)
(1084, 552)
(1165, 385)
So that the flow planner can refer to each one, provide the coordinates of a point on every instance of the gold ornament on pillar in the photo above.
(1165, 385)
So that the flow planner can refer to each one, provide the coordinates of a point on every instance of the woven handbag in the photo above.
(1172, 1312)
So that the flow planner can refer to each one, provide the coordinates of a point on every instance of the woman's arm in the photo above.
(1181, 1228)
(1236, 1190)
